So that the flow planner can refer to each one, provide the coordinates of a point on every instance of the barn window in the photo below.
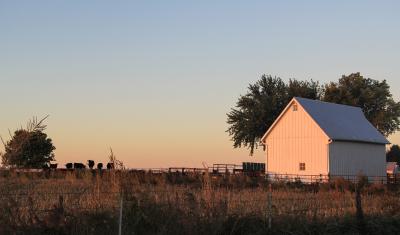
(295, 107)
(302, 166)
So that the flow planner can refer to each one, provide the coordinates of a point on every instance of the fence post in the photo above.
(359, 211)
(269, 206)
(120, 214)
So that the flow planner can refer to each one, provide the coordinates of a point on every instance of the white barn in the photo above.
(312, 137)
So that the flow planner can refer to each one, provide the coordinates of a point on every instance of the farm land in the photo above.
(95, 202)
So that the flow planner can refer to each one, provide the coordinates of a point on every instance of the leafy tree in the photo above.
(29, 148)
(372, 96)
(306, 89)
(264, 101)
(393, 155)
(261, 105)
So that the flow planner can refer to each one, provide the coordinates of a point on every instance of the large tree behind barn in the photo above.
(255, 111)
(372, 96)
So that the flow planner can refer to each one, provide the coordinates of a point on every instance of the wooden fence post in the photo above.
(359, 211)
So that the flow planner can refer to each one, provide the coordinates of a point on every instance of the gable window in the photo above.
(294, 107)
(302, 166)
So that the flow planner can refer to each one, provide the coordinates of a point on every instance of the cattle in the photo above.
(91, 164)
(110, 166)
(53, 166)
(99, 165)
(79, 166)
(68, 165)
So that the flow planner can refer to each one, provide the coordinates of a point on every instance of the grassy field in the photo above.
(86, 202)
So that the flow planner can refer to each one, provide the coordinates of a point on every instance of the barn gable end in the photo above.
(295, 140)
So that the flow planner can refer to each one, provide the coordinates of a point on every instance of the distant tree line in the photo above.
(255, 111)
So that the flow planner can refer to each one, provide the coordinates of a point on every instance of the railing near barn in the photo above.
(326, 178)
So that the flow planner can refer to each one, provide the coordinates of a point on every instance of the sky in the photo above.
(155, 79)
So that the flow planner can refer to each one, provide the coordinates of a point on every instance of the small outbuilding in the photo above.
(312, 137)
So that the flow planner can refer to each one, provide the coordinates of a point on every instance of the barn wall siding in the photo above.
(294, 139)
(352, 158)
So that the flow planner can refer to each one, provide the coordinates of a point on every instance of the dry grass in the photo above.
(87, 203)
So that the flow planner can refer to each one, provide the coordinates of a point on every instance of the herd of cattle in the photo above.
(76, 165)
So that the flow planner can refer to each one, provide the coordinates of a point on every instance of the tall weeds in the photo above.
(87, 202)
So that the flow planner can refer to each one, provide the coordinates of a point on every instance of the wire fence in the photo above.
(266, 203)
(219, 170)
(382, 179)
(275, 198)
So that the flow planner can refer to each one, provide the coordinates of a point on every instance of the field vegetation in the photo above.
(89, 202)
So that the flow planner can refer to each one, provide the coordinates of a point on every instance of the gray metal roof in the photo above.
(342, 122)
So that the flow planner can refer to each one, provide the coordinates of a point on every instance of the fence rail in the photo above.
(226, 169)
(389, 178)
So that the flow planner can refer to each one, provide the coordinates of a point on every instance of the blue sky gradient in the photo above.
(155, 79)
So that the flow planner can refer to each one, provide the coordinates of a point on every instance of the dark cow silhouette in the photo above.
(79, 165)
(69, 165)
(99, 165)
(53, 166)
(110, 165)
(90, 164)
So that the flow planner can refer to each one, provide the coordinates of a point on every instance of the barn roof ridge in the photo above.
(298, 98)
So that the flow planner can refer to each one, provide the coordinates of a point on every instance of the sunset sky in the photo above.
(155, 79)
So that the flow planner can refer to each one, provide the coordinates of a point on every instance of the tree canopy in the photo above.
(255, 111)
(372, 96)
(264, 101)
(393, 155)
(29, 148)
